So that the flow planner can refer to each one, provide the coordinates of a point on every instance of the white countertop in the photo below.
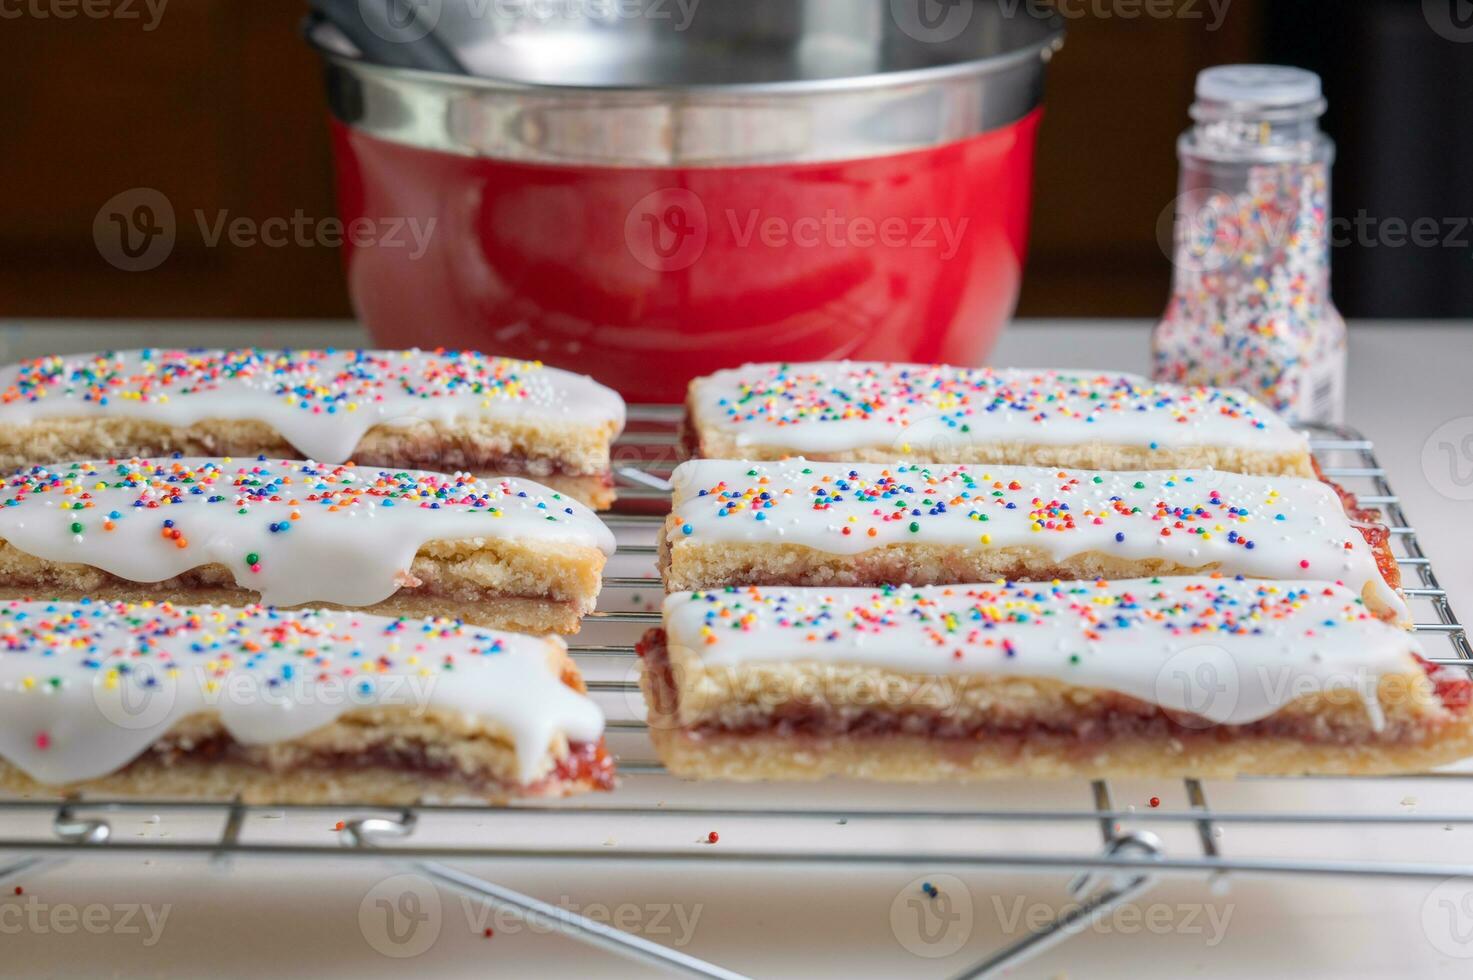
(1409, 392)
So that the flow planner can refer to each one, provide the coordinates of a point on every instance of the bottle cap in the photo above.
(1268, 86)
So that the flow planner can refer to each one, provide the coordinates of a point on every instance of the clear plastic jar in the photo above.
(1250, 304)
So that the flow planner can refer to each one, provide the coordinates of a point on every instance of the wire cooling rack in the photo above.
(1116, 849)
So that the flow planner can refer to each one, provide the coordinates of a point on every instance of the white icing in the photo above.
(1298, 529)
(834, 406)
(85, 688)
(1232, 652)
(322, 402)
(350, 545)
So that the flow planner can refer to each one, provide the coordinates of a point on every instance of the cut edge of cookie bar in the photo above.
(545, 587)
(795, 721)
(686, 566)
(568, 458)
(380, 756)
(704, 442)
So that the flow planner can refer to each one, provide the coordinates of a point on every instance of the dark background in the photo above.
(220, 106)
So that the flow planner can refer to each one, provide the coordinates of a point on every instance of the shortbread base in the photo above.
(686, 566)
(486, 582)
(910, 758)
(708, 442)
(800, 721)
(515, 613)
(596, 490)
(377, 755)
(569, 459)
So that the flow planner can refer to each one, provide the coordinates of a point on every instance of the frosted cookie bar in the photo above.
(797, 522)
(438, 410)
(315, 706)
(852, 411)
(502, 553)
(1147, 677)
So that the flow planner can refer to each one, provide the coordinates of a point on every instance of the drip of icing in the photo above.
(86, 687)
(833, 406)
(1232, 652)
(1264, 527)
(320, 401)
(293, 531)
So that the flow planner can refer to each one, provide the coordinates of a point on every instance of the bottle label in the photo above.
(1324, 393)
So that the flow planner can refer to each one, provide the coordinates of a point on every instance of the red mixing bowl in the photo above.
(647, 199)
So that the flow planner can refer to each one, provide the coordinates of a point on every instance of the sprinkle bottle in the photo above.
(1250, 305)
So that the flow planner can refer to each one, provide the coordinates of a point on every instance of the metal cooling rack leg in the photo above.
(360, 833)
(80, 830)
(1122, 888)
(68, 827)
(1076, 919)
(22, 865)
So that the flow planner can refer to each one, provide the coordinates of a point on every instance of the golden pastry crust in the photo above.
(705, 441)
(908, 758)
(689, 565)
(597, 490)
(801, 720)
(571, 459)
(380, 756)
(539, 587)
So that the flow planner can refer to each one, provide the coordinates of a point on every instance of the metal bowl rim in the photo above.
(1048, 43)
